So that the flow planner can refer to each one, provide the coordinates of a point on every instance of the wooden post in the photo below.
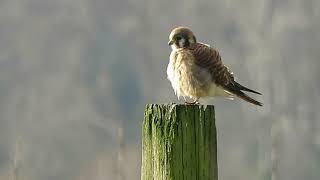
(179, 143)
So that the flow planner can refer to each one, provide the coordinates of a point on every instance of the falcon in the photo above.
(195, 70)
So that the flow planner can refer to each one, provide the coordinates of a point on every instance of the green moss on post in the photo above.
(179, 143)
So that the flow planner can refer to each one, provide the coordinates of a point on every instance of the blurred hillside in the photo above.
(75, 76)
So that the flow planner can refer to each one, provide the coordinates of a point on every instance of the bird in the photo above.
(195, 70)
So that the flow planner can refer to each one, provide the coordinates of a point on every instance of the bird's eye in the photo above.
(178, 38)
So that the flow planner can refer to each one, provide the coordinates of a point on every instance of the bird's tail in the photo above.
(239, 86)
(235, 89)
(245, 97)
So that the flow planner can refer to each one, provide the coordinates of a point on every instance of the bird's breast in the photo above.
(187, 79)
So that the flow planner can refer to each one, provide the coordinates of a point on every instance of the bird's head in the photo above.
(181, 37)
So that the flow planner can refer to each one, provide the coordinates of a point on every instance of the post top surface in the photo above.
(172, 105)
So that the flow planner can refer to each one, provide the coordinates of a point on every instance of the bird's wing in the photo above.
(209, 58)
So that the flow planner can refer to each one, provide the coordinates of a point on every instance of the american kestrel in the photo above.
(195, 70)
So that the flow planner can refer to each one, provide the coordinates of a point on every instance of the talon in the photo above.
(196, 102)
(189, 103)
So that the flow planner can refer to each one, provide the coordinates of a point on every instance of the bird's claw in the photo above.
(196, 102)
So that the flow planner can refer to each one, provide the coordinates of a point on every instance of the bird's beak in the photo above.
(170, 42)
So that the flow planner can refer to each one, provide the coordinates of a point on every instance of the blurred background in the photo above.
(75, 76)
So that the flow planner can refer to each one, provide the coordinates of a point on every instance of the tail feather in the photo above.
(235, 89)
(245, 88)
(248, 99)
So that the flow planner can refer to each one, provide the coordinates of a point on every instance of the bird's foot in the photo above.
(196, 102)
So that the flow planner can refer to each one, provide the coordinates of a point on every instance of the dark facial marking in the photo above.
(182, 37)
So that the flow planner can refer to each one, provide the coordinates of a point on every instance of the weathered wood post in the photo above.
(179, 143)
